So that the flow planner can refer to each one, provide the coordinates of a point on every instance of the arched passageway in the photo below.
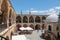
(31, 19)
(37, 19)
(18, 19)
(32, 26)
(25, 19)
(25, 25)
(49, 28)
(37, 27)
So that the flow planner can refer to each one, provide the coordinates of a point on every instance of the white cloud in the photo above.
(54, 10)
(34, 11)
(57, 7)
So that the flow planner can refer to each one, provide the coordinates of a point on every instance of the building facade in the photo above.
(29, 20)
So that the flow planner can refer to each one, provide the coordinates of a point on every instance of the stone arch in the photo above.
(50, 27)
(32, 26)
(25, 25)
(37, 19)
(4, 9)
(43, 18)
(25, 19)
(37, 27)
(18, 19)
(31, 19)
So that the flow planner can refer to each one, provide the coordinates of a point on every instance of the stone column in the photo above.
(7, 20)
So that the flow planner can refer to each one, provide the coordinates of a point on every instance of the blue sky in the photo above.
(36, 6)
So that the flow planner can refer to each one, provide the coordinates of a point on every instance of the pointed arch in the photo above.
(37, 27)
(25, 25)
(18, 19)
(32, 26)
(37, 19)
(31, 19)
(25, 19)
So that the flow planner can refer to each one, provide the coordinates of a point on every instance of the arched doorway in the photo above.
(25, 19)
(37, 19)
(32, 26)
(25, 25)
(49, 28)
(18, 19)
(37, 27)
(31, 19)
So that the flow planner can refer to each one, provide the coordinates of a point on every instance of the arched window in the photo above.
(49, 28)
(32, 26)
(37, 27)
(25, 25)
(18, 19)
(25, 19)
(37, 19)
(43, 18)
(31, 19)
